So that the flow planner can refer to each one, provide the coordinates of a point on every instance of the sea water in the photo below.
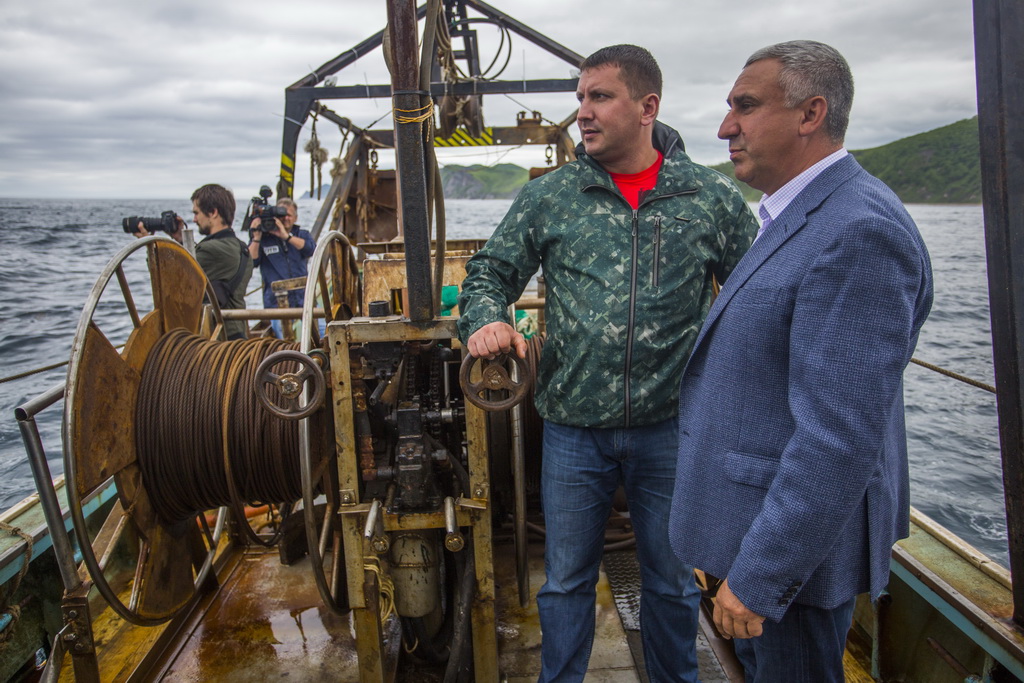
(55, 250)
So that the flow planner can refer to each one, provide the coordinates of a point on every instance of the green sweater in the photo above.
(218, 256)
(626, 291)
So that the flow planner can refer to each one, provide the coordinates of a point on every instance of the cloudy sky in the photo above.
(129, 99)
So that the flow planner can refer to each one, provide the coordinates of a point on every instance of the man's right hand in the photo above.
(731, 616)
(496, 338)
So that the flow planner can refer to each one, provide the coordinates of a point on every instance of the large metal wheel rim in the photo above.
(313, 535)
(75, 503)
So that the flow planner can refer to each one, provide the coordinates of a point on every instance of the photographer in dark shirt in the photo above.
(281, 254)
(221, 255)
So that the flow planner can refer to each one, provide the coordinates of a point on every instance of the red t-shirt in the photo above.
(631, 185)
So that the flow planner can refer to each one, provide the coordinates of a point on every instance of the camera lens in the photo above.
(130, 224)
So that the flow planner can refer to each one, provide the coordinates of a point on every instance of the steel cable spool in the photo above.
(171, 562)
(161, 429)
(203, 442)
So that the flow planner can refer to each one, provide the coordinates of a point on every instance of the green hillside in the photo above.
(483, 182)
(941, 166)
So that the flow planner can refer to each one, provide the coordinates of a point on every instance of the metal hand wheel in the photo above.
(494, 377)
(289, 385)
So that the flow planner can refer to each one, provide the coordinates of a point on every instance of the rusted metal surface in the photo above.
(938, 592)
(386, 275)
(986, 593)
(410, 157)
(104, 412)
(493, 135)
(358, 330)
(268, 621)
(485, 639)
(371, 212)
(141, 340)
(165, 581)
(268, 313)
(179, 285)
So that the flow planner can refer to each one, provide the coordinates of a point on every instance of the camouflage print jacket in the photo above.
(627, 291)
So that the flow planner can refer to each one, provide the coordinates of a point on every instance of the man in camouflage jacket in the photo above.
(627, 291)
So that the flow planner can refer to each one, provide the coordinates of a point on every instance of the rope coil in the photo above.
(203, 441)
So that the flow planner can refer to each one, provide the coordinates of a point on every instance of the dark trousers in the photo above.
(805, 647)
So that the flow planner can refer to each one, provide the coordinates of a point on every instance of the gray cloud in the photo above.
(128, 99)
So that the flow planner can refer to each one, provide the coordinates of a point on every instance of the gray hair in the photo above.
(288, 202)
(810, 68)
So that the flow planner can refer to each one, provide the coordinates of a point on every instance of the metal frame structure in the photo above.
(376, 663)
(304, 97)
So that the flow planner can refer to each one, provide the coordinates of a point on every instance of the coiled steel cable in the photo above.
(202, 439)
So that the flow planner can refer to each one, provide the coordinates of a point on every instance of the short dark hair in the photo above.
(637, 67)
(810, 68)
(212, 196)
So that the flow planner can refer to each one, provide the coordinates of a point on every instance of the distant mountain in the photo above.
(324, 189)
(502, 181)
(942, 166)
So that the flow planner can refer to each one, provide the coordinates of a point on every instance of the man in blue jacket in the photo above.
(792, 476)
(281, 254)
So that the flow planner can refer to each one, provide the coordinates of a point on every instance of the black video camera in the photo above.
(168, 222)
(262, 209)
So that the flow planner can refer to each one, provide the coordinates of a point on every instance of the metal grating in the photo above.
(623, 571)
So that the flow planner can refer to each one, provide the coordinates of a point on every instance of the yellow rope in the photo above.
(384, 584)
(428, 112)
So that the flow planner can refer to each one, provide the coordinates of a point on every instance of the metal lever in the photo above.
(453, 539)
(378, 541)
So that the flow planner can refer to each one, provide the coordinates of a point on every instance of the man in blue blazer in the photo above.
(792, 478)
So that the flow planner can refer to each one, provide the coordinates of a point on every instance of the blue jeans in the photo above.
(582, 469)
(805, 647)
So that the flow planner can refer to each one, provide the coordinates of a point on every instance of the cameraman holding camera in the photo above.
(280, 248)
(221, 255)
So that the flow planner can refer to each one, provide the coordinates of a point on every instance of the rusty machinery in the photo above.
(373, 439)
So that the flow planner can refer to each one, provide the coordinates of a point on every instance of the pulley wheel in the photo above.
(332, 282)
(171, 560)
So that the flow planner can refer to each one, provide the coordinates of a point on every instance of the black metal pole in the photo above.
(296, 110)
(999, 61)
(410, 156)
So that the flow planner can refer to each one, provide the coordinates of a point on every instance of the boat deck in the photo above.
(267, 622)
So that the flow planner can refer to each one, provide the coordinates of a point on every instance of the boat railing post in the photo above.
(62, 549)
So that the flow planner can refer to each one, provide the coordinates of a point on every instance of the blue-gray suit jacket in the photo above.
(792, 477)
